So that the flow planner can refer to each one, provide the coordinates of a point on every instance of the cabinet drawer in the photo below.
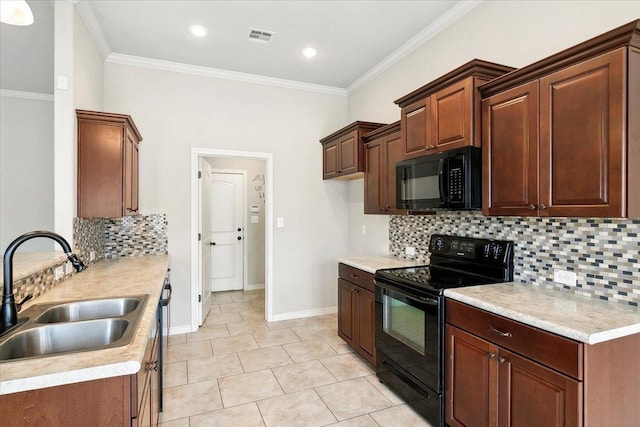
(357, 276)
(557, 352)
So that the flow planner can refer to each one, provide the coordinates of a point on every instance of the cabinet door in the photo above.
(453, 116)
(394, 153)
(582, 130)
(531, 395)
(330, 160)
(100, 166)
(348, 153)
(346, 312)
(471, 386)
(374, 177)
(415, 123)
(510, 152)
(365, 323)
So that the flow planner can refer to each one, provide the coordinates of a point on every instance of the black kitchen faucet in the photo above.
(9, 309)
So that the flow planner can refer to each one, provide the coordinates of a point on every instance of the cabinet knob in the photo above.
(501, 360)
(542, 206)
(532, 207)
(492, 355)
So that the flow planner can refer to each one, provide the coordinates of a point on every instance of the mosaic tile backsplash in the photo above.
(603, 252)
(136, 235)
(38, 283)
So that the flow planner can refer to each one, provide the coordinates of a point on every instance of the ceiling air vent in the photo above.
(260, 36)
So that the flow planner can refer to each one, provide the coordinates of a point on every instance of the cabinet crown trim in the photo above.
(473, 68)
(383, 131)
(623, 36)
(363, 126)
(124, 119)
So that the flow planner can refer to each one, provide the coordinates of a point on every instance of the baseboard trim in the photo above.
(254, 287)
(177, 330)
(305, 313)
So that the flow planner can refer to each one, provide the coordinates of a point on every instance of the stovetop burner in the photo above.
(456, 262)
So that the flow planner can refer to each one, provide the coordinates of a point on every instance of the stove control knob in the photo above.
(439, 243)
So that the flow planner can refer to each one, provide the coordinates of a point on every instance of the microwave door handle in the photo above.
(443, 180)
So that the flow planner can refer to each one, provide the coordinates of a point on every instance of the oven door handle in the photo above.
(422, 300)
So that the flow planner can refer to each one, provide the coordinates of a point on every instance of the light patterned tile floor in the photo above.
(239, 370)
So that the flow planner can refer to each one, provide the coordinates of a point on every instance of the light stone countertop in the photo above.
(371, 263)
(106, 278)
(578, 317)
(27, 263)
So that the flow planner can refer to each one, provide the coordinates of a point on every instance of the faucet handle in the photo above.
(27, 298)
(75, 261)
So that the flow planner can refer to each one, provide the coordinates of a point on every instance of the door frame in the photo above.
(195, 262)
(245, 252)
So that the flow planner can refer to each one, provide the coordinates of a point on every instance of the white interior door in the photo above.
(204, 191)
(227, 235)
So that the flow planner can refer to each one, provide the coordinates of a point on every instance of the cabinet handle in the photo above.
(353, 276)
(532, 207)
(542, 206)
(501, 360)
(502, 334)
(492, 355)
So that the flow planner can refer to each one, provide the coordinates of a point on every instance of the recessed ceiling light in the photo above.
(309, 52)
(15, 12)
(198, 30)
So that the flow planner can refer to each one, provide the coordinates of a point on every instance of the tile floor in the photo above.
(238, 370)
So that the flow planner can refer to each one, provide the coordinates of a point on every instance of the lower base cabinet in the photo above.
(356, 310)
(504, 373)
(128, 400)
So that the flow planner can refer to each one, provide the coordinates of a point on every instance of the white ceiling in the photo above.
(355, 39)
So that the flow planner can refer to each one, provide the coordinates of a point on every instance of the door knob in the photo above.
(239, 229)
(239, 238)
(212, 243)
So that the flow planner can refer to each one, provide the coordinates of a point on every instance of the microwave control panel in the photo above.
(456, 187)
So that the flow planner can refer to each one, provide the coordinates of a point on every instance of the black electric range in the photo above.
(410, 315)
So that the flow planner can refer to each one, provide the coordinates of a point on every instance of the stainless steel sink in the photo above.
(63, 338)
(88, 310)
(73, 326)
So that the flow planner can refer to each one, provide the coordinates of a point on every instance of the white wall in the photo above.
(88, 68)
(515, 33)
(26, 171)
(255, 233)
(177, 112)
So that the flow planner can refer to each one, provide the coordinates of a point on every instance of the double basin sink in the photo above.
(73, 326)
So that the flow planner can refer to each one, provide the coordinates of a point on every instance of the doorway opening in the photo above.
(228, 218)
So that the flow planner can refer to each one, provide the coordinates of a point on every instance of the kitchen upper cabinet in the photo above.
(383, 149)
(108, 147)
(445, 114)
(500, 372)
(343, 152)
(356, 310)
(559, 136)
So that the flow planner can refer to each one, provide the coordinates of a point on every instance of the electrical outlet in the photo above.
(58, 272)
(92, 256)
(565, 277)
(410, 250)
(364, 229)
(68, 268)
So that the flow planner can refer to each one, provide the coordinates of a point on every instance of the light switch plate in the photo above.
(255, 219)
(280, 222)
(410, 250)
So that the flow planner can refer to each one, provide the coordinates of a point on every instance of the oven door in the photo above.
(409, 332)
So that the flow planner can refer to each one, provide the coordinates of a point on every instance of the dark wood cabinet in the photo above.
(383, 149)
(146, 408)
(108, 148)
(558, 136)
(500, 372)
(445, 114)
(343, 152)
(356, 310)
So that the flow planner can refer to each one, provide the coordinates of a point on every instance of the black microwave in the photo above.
(448, 180)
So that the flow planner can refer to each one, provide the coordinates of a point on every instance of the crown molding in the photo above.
(26, 95)
(456, 12)
(157, 64)
(94, 28)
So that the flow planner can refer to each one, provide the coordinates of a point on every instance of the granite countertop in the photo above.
(578, 317)
(371, 263)
(106, 278)
(27, 263)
